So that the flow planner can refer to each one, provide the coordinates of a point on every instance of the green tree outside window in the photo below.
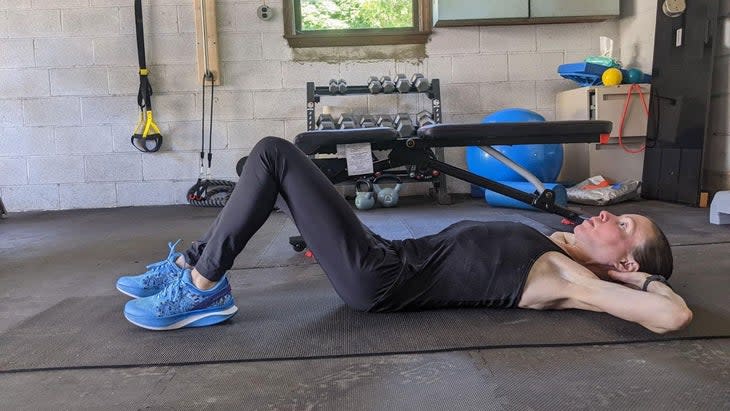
(355, 14)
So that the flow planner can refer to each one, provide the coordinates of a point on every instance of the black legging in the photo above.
(359, 264)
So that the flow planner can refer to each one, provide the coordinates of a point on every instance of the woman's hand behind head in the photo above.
(633, 279)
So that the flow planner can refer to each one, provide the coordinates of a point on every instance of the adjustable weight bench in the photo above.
(416, 154)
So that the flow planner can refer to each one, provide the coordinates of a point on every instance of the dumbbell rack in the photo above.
(315, 93)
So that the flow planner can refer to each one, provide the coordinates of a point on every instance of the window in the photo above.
(323, 23)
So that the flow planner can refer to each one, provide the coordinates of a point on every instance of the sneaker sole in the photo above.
(197, 320)
(128, 293)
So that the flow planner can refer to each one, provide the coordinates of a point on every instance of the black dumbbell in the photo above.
(337, 86)
(367, 121)
(419, 82)
(423, 118)
(388, 85)
(385, 121)
(404, 125)
(402, 84)
(325, 122)
(374, 85)
(334, 87)
(346, 121)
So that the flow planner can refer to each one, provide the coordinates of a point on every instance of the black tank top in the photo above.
(468, 264)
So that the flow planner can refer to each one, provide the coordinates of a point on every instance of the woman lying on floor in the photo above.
(603, 266)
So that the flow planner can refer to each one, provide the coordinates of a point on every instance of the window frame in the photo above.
(418, 34)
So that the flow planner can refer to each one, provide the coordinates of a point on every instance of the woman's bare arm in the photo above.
(659, 308)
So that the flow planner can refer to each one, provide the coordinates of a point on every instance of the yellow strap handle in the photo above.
(150, 123)
(140, 123)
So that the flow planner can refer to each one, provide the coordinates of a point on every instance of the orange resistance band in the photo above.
(623, 117)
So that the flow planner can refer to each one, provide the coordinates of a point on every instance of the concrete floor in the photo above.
(50, 256)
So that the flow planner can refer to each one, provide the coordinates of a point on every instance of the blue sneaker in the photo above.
(182, 304)
(158, 275)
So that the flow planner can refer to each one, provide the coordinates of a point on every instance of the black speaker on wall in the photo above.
(684, 47)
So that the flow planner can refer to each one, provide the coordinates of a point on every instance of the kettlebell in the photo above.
(388, 197)
(364, 200)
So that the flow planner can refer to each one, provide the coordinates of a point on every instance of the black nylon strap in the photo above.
(142, 143)
(140, 32)
(144, 95)
(144, 99)
(145, 89)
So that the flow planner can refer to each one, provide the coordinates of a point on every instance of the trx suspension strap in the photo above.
(146, 136)
(207, 192)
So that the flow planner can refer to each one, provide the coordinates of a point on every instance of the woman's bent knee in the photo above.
(272, 142)
(273, 147)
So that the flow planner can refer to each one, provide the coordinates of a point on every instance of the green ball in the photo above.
(634, 76)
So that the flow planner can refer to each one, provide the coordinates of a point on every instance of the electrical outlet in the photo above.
(265, 12)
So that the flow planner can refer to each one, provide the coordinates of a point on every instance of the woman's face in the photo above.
(609, 239)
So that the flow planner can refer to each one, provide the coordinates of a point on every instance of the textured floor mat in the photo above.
(305, 319)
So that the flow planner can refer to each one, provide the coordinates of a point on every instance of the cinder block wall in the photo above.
(637, 26)
(68, 87)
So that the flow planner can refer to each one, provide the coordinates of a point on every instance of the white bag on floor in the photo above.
(599, 191)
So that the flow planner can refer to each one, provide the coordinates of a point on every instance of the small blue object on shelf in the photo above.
(585, 74)
(589, 74)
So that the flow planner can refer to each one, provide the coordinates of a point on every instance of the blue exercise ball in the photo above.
(542, 160)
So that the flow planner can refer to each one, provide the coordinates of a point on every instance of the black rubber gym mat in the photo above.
(305, 319)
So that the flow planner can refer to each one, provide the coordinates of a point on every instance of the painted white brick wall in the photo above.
(11, 113)
(31, 197)
(245, 134)
(87, 195)
(16, 53)
(60, 111)
(83, 140)
(187, 136)
(30, 23)
(13, 171)
(26, 141)
(79, 81)
(68, 90)
(56, 169)
(114, 167)
(145, 193)
(507, 38)
(170, 166)
(3, 23)
(24, 83)
(480, 68)
(64, 52)
(14, 4)
(499, 95)
(118, 51)
(83, 22)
